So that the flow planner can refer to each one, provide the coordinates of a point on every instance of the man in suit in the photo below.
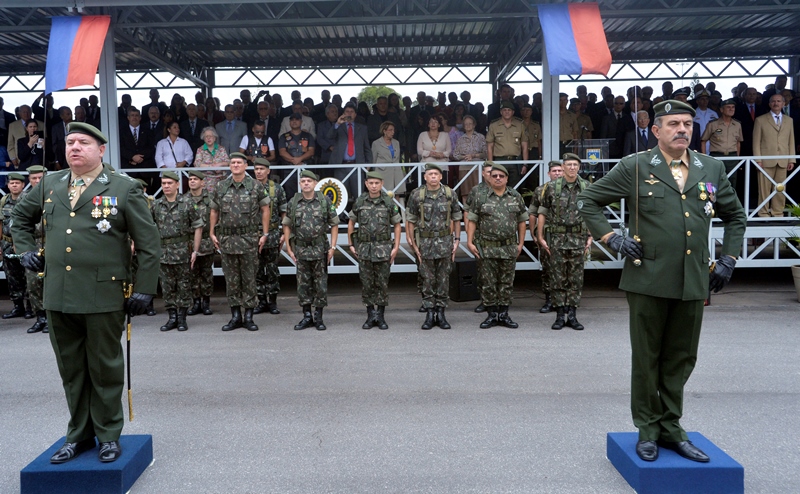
(773, 135)
(6, 119)
(231, 130)
(137, 150)
(87, 263)
(122, 110)
(506, 93)
(93, 112)
(319, 110)
(352, 146)
(675, 192)
(777, 88)
(58, 136)
(381, 115)
(162, 107)
(608, 130)
(154, 126)
(746, 114)
(272, 123)
(642, 138)
(192, 127)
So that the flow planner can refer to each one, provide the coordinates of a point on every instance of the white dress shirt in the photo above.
(168, 154)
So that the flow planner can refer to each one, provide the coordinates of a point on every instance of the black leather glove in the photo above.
(626, 246)
(722, 273)
(137, 304)
(32, 261)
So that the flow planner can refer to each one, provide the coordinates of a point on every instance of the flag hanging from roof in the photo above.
(74, 51)
(574, 39)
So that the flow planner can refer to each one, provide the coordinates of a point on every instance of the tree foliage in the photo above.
(370, 94)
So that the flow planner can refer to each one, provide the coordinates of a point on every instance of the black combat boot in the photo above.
(481, 308)
(151, 311)
(370, 322)
(559, 318)
(318, 322)
(430, 319)
(503, 318)
(182, 325)
(422, 309)
(272, 305)
(440, 320)
(572, 321)
(548, 305)
(236, 319)
(29, 313)
(379, 320)
(491, 317)
(262, 305)
(248, 320)
(307, 321)
(17, 311)
(172, 322)
(40, 324)
(195, 308)
(205, 305)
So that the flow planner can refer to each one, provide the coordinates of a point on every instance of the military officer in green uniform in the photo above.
(374, 246)
(305, 228)
(672, 195)
(567, 241)
(433, 228)
(239, 208)
(15, 273)
(35, 281)
(483, 185)
(500, 213)
(201, 276)
(90, 214)
(268, 277)
(507, 140)
(181, 227)
(554, 171)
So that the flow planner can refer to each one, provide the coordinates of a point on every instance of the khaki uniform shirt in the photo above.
(568, 127)
(723, 138)
(534, 131)
(507, 139)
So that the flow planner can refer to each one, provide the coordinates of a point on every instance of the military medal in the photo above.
(114, 210)
(702, 187)
(712, 191)
(96, 211)
(103, 226)
(106, 209)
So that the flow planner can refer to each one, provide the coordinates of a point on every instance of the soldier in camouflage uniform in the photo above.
(567, 241)
(151, 311)
(34, 282)
(181, 229)
(486, 172)
(268, 276)
(201, 277)
(433, 228)
(499, 212)
(306, 227)
(239, 208)
(377, 215)
(555, 171)
(15, 273)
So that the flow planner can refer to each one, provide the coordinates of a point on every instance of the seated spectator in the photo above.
(257, 144)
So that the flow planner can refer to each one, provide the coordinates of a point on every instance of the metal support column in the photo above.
(794, 74)
(108, 99)
(493, 72)
(550, 114)
(212, 81)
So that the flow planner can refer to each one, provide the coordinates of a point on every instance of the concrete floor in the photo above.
(405, 410)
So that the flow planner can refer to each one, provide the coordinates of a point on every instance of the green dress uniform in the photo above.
(201, 276)
(87, 264)
(666, 292)
(268, 277)
(15, 273)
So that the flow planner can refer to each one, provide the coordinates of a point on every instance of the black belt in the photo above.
(508, 158)
(434, 234)
(237, 230)
(348, 162)
(174, 240)
(720, 153)
(309, 243)
(566, 229)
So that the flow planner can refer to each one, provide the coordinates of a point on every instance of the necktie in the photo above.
(619, 116)
(777, 119)
(644, 136)
(192, 124)
(677, 173)
(230, 125)
(752, 112)
(135, 136)
(351, 144)
(152, 126)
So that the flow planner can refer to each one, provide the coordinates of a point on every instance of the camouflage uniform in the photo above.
(176, 222)
(471, 197)
(201, 277)
(544, 259)
(566, 236)
(434, 240)
(308, 223)
(15, 273)
(238, 229)
(268, 277)
(373, 242)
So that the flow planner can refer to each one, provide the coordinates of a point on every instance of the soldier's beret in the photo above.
(570, 156)
(171, 175)
(197, 174)
(672, 107)
(433, 166)
(680, 92)
(142, 183)
(507, 104)
(309, 174)
(36, 169)
(261, 162)
(553, 164)
(488, 163)
(500, 168)
(16, 176)
(374, 174)
(729, 101)
(296, 116)
(238, 155)
(85, 128)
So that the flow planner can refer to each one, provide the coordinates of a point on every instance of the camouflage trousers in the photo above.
(566, 276)
(240, 279)
(15, 276)
(496, 281)
(374, 278)
(202, 276)
(435, 277)
(312, 282)
(35, 286)
(544, 260)
(176, 286)
(268, 277)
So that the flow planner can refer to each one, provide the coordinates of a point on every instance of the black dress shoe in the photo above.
(647, 450)
(109, 451)
(687, 450)
(70, 450)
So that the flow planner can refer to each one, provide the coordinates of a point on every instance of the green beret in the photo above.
(198, 174)
(238, 155)
(570, 156)
(553, 164)
(672, 107)
(171, 175)
(142, 183)
(487, 163)
(16, 176)
(433, 166)
(727, 102)
(84, 128)
(507, 104)
(500, 168)
(309, 174)
(375, 175)
(36, 169)
(261, 162)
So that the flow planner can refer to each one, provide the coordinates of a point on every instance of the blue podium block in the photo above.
(671, 472)
(86, 474)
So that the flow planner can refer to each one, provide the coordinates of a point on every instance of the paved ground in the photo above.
(405, 410)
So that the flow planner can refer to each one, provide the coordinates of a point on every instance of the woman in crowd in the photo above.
(173, 151)
(168, 117)
(446, 124)
(29, 149)
(177, 107)
(362, 112)
(459, 110)
(434, 144)
(211, 154)
(471, 146)
(213, 115)
(386, 149)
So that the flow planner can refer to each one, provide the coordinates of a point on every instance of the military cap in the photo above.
(572, 101)
(375, 174)
(171, 175)
(680, 92)
(36, 169)
(309, 174)
(507, 104)
(197, 174)
(488, 163)
(729, 101)
(570, 156)
(85, 128)
(142, 183)
(296, 116)
(553, 164)
(500, 168)
(433, 166)
(672, 107)
(238, 155)
(261, 162)
(16, 176)
(702, 93)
